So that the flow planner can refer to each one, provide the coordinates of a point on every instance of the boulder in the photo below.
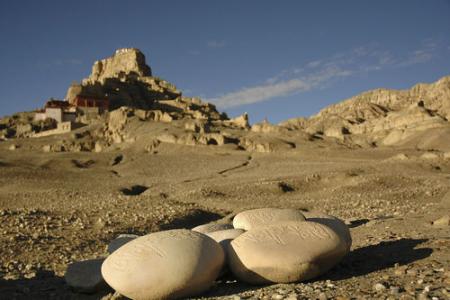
(333, 223)
(119, 241)
(286, 252)
(260, 217)
(85, 276)
(211, 227)
(224, 237)
(164, 265)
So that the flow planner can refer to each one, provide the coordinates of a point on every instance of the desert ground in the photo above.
(61, 207)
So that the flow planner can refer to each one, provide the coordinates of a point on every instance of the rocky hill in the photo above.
(126, 80)
(145, 110)
(386, 117)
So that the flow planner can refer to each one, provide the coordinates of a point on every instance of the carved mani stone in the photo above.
(168, 264)
(254, 218)
(334, 223)
(211, 227)
(286, 252)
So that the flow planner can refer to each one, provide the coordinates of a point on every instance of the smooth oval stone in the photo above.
(119, 241)
(85, 276)
(334, 223)
(164, 265)
(211, 227)
(225, 236)
(284, 253)
(254, 218)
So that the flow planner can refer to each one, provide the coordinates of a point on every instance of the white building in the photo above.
(57, 114)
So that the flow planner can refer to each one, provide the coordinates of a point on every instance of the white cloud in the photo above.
(250, 95)
(321, 73)
(216, 44)
(260, 93)
(426, 52)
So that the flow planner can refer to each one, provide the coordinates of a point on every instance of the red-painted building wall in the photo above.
(82, 101)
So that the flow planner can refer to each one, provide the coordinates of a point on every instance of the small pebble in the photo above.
(379, 287)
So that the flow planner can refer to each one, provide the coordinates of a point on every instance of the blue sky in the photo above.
(274, 59)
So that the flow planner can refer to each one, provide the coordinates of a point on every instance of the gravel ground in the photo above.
(57, 208)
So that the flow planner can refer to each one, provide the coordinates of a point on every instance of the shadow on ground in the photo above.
(378, 257)
(361, 261)
(134, 190)
(46, 285)
(193, 219)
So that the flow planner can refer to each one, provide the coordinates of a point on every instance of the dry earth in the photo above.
(57, 208)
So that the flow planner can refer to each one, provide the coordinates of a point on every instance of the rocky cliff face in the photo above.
(123, 63)
(144, 105)
(126, 80)
(383, 117)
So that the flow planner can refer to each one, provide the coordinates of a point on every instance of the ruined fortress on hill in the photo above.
(122, 103)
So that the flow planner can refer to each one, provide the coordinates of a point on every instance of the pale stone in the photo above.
(442, 221)
(400, 156)
(429, 155)
(225, 236)
(168, 264)
(334, 223)
(254, 218)
(98, 147)
(85, 276)
(211, 227)
(446, 155)
(119, 241)
(286, 252)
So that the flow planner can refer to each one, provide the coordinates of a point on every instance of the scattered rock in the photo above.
(429, 155)
(379, 287)
(254, 218)
(85, 276)
(287, 252)
(167, 264)
(400, 156)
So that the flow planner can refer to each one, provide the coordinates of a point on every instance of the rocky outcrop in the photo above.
(125, 80)
(125, 62)
(384, 117)
(192, 139)
(238, 122)
(266, 144)
(23, 125)
(266, 127)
